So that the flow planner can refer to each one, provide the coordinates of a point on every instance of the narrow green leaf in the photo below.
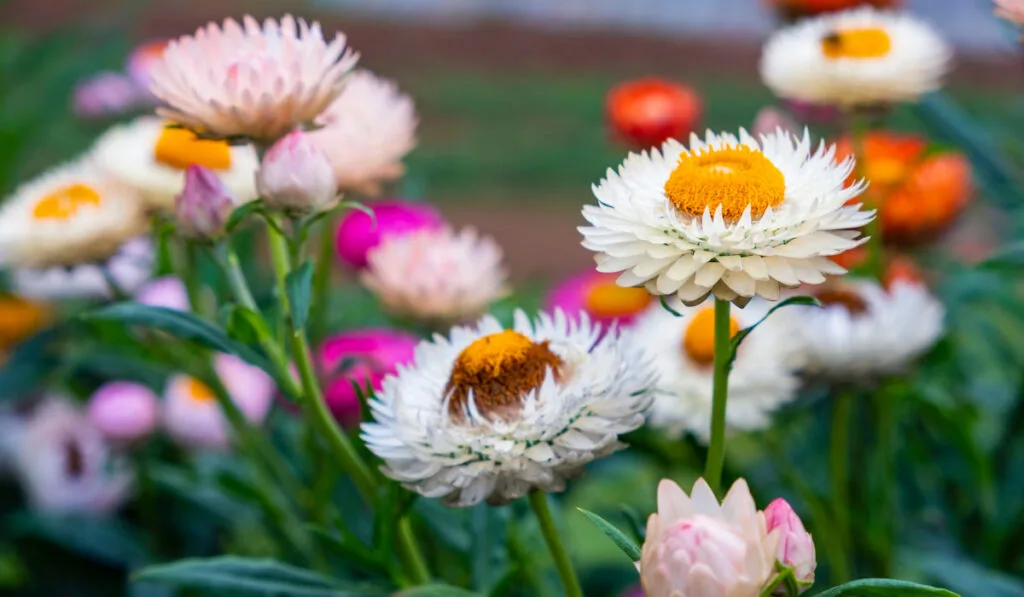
(627, 545)
(242, 212)
(884, 587)
(636, 523)
(436, 591)
(742, 334)
(300, 292)
(350, 548)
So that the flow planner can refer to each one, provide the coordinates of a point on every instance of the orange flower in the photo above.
(799, 8)
(646, 112)
(19, 319)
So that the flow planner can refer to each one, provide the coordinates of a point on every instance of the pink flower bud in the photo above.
(771, 119)
(358, 233)
(796, 547)
(204, 205)
(295, 175)
(124, 412)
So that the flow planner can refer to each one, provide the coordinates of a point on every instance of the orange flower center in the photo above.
(180, 148)
(699, 340)
(608, 299)
(199, 391)
(65, 202)
(886, 172)
(858, 43)
(499, 370)
(846, 299)
(19, 319)
(732, 177)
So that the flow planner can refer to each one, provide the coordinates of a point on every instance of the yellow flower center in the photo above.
(180, 148)
(608, 299)
(499, 369)
(846, 299)
(65, 202)
(699, 340)
(199, 391)
(731, 177)
(857, 43)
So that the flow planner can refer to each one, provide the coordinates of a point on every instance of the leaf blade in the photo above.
(623, 542)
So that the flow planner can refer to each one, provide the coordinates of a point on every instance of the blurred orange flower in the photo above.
(647, 112)
(19, 319)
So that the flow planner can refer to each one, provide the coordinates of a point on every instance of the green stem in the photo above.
(839, 464)
(875, 244)
(886, 421)
(189, 274)
(410, 553)
(720, 394)
(539, 503)
(322, 277)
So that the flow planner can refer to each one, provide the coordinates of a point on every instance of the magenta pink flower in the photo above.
(796, 547)
(598, 296)
(358, 233)
(296, 176)
(123, 411)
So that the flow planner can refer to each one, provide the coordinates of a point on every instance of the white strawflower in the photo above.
(857, 57)
(129, 268)
(730, 216)
(490, 414)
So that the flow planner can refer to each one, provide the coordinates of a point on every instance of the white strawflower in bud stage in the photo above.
(490, 414)
(295, 176)
(247, 80)
(732, 216)
(859, 57)
(204, 205)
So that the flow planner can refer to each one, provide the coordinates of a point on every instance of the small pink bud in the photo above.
(771, 119)
(296, 175)
(358, 233)
(204, 205)
(796, 547)
(124, 412)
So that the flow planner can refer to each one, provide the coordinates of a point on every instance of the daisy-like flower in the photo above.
(129, 268)
(71, 215)
(730, 216)
(490, 414)
(151, 157)
(251, 81)
(865, 330)
(763, 376)
(366, 133)
(437, 276)
(854, 58)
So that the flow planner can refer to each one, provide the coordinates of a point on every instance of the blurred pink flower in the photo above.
(796, 547)
(168, 292)
(808, 113)
(769, 119)
(1011, 10)
(142, 60)
(251, 81)
(295, 176)
(105, 94)
(358, 233)
(123, 411)
(600, 297)
(204, 205)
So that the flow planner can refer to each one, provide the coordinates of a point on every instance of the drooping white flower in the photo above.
(129, 268)
(490, 414)
(730, 216)
(763, 376)
(857, 57)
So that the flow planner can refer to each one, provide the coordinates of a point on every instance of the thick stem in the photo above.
(839, 463)
(720, 394)
(874, 198)
(539, 503)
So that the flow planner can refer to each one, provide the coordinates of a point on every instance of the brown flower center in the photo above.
(732, 177)
(699, 340)
(847, 299)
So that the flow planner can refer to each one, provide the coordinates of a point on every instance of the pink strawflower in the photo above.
(295, 176)
(204, 205)
(123, 411)
(168, 292)
(597, 295)
(367, 131)
(251, 81)
(796, 547)
(358, 233)
(105, 94)
(436, 276)
(1011, 10)
(770, 119)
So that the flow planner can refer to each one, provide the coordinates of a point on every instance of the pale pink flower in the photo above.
(123, 411)
(141, 62)
(105, 94)
(295, 176)
(367, 131)
(358, 233)
(204, 205)
(1011, 10)
(436, 276)
(251, 81)
(796, 547)
(168, 292)
(697, 548)
(771, 119)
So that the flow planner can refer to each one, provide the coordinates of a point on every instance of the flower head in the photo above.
(647, 112)
(855, 58)
(358, 233)
(168, 292)
(130, 268)
(366, 133)
(203, 207)
(191, 413)
(598, 296)
(733, 217)
(251, 81)
(436, 275)
(795, 545)
(763, 376)
(491, 413)
(124, 412)
(295, 176)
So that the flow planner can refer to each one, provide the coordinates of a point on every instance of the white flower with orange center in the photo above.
(438, 276)
(857, 57)
(763, 376)
(71, 215)
(251, 81)
(865, 330)
(129, 269)
(366, 133)
(151, 155)
(730, 216)
(490, 414)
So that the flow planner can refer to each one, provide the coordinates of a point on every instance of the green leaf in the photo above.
(242, 324)
(884, 587)
(664, 305)
(108, 540)
(242, 212)
(250, 576)
(300, 292)
(436, 591)
(1009, 257)
(349, 547)
(742, 334)
(627, 545)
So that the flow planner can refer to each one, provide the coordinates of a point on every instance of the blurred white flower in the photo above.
(295, 176)
(251, 81)
(730, 216)
(130, 268)
(490, 414)
(858, 57)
